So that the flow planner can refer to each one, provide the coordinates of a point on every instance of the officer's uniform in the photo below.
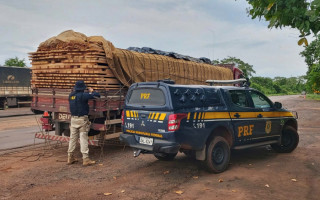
(80, 124)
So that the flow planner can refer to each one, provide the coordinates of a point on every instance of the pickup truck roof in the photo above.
(160, 83)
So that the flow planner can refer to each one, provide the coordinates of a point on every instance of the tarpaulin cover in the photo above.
(170, 54)
(132, 66)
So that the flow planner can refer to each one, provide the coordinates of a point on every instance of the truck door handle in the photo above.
(259, 116)
(236, 115)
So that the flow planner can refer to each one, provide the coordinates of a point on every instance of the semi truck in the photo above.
(62, 60)
(15, 88)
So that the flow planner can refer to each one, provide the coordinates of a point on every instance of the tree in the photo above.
(301, 86)
(313, 83)
(279, 85)
(264, 84)
(311, 53)
(15, 62)
(214, 62)
(298, 14)
(292, 84)
(245, 67)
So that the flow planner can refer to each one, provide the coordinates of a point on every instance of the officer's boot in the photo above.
(87, 162)
(71, 159)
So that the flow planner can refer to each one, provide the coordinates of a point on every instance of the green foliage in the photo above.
(279, 85)
(214, 62)
(15, 62)
(311, 53)
(245, 67)
(263, 84)
(313, 83)
(278, 89)
(298, 14)
(313, 96)
(303, 15)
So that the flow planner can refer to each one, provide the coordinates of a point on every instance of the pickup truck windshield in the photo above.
(147, 96)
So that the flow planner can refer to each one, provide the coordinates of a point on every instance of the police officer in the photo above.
(80, 124)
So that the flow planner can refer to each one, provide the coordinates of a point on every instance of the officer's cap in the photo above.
(80, 85)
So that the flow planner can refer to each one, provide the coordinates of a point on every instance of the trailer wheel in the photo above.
(3, 104)
(66, 132)
(289, 141)
(165, 156)
(218, 155)
(37, 112)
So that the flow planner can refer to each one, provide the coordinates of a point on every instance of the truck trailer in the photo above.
(62, 60)
(15, 86)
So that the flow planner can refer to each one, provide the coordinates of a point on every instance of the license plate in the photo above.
(146, 140)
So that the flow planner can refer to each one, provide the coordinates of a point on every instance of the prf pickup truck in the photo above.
(204, 121)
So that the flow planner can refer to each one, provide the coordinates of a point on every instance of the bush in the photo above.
(278, 85)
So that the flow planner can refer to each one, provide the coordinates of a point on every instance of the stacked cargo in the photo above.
(60, 61)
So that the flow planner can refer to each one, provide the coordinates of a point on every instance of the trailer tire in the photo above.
(3, 104)
(37, 112)
(218, 155)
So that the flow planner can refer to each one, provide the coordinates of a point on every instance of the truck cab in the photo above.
(164, 118)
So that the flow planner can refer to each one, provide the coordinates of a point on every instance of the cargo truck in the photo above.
(15, 86)
(62, 60)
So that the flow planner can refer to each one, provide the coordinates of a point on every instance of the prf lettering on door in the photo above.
(144, 95)
(245, 130)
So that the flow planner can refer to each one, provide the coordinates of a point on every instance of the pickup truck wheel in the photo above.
(165, 156)
(218, 155)
(289, 141)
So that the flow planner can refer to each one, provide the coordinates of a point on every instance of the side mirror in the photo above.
(278, 105)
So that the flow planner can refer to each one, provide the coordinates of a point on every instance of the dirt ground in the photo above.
(258, 173)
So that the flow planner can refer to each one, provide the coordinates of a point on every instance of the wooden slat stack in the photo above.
(62, 60)
(60, 64)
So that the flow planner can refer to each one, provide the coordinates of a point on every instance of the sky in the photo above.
(199, 28)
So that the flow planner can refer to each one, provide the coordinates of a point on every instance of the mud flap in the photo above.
(201, 155)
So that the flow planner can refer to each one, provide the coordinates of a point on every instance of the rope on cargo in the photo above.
(144, 67)
(130, 68)
(158, 65)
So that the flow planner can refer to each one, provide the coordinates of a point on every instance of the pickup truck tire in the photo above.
(289, 141)
(218, 155)
(165, 156)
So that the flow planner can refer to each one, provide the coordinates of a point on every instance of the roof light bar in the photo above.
(241, 80)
